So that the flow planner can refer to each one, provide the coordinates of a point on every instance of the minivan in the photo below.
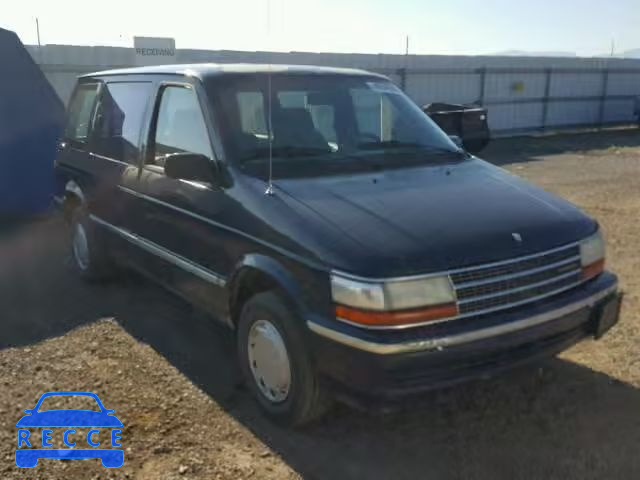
(353, 248)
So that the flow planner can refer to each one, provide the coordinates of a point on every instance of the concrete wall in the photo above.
(521, 93)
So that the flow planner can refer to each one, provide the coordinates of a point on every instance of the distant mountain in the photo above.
(522, 53)
(633, 53)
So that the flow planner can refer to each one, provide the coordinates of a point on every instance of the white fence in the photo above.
(523, 94)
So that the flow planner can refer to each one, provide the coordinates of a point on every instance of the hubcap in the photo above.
(80, 246)
(269, 361)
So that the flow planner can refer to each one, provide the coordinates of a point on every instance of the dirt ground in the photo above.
(166, 369)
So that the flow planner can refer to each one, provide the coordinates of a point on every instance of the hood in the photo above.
(434, 218)
(69, 418)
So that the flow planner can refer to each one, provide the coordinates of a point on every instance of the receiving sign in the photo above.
(154, 50)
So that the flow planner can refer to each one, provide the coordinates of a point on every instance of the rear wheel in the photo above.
(88, 253)
(26, 459)
(112, 458)
(275, 363)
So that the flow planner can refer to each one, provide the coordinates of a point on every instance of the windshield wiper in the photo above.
(286, 151)
(387, 144)
(409, 146)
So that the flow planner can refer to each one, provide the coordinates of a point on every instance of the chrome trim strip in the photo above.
(515, 260)
(441, 343)
(168, 255)
(398, 327)
(119, 162)
(524, 273)
(451, 272)
(149, 167)
(137, 194)
(503, 293)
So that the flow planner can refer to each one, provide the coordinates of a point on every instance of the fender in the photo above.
(271, 268)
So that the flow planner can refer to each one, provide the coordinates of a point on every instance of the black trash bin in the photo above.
(469, 122)
(31, 118)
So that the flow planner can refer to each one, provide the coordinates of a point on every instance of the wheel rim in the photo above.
(269, 361)
(80, 246)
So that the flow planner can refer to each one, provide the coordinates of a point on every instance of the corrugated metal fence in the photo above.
(523, 94)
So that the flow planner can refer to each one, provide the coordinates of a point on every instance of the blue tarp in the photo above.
(31, 120)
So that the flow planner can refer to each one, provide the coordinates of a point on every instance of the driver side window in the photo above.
(180, 125)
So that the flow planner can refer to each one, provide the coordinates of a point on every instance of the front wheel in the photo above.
(26, 458)
(275, 362)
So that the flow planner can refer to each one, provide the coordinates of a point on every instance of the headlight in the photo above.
(418, 293)
(592, 255)
(393, 303)
(365, 295)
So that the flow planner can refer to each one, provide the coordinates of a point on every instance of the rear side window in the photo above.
(80, 112)
(180, 126)
(119, 120)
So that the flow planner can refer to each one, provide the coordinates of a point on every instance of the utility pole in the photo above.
(38, 31)
(403, 70)
(39, 43)
(613, 46)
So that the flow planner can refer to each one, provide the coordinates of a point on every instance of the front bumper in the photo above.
(394, 363)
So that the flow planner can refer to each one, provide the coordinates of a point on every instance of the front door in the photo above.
(178, 219)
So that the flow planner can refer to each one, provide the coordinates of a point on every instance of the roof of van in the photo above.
(202, 70)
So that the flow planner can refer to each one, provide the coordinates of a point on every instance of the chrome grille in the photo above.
(500, 285)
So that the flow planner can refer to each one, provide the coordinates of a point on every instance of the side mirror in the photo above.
(189, 166)
(457, 140)
(29, 410)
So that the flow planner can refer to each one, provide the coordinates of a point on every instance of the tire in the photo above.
(88, 253)
(26, 459)
(112, 459)
(306, 399)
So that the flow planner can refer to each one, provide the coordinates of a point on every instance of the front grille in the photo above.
(505, 284)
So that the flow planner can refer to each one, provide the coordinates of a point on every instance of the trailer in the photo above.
(31, 120)
(468, 122)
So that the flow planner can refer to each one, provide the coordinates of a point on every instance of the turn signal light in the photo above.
(397, 318)
(593, 270)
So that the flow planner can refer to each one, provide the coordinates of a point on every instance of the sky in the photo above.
(458, 27)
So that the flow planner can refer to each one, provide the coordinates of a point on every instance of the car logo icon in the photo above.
(517, 237)
(68, 419)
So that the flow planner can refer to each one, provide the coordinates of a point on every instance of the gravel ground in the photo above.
(166, 371)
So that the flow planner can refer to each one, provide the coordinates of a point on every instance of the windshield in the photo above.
(63, 402)
(324, 124)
